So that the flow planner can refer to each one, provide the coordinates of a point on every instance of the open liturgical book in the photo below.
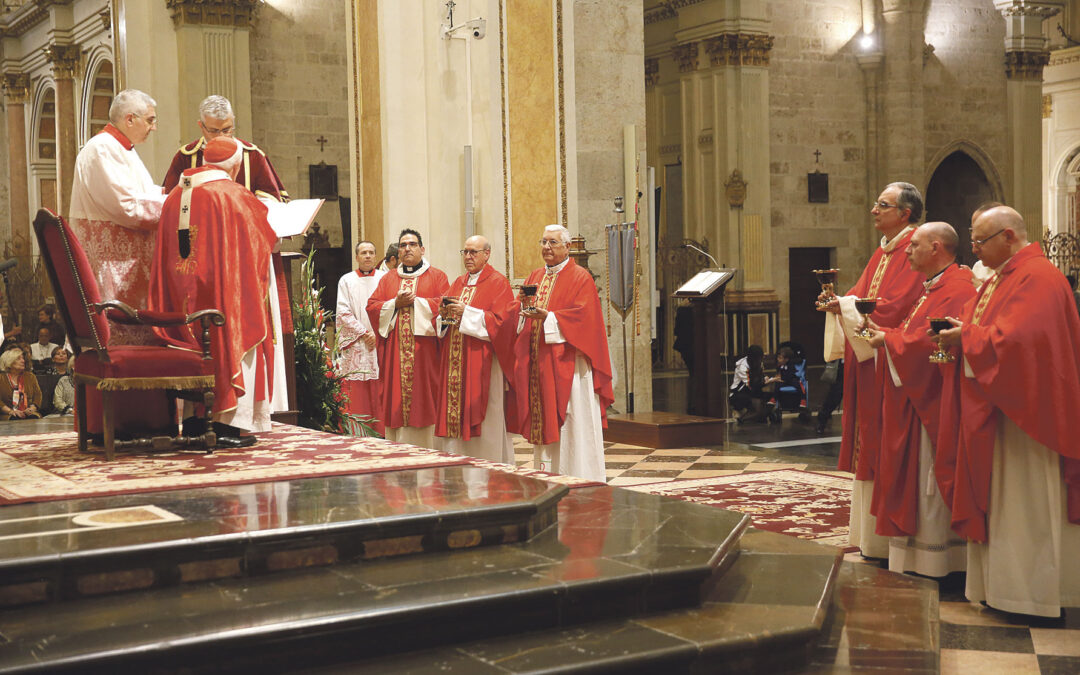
(291, 218)
(704, 283)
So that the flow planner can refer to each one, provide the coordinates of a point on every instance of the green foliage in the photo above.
(319, 389)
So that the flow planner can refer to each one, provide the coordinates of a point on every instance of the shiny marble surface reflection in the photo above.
(270, 508)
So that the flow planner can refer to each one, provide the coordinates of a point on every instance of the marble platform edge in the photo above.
(94, 572)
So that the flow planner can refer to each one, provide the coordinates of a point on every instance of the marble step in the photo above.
(63, 551)
(614, 554)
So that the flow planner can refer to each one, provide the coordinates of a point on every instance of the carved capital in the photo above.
(739, 49)
(686, 55)
(652, 72)
(1025, 65)
(233, 13)
(64, 60)
(1043, 10)
(16, 88)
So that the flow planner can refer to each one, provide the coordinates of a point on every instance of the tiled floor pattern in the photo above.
(974, 639)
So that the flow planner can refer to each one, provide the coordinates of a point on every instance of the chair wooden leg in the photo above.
(80, 416)
(107, 421)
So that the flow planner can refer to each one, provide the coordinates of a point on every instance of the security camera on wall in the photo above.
(477, 28)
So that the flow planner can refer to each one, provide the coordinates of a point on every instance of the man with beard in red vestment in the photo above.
(907, 502)
(1009, 413)
(402, 310)
(896, 286)
(562, 370)
(213, 251)
(475, 364)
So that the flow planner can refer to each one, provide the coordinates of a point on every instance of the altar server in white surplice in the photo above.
(359, 362)
(116, 205)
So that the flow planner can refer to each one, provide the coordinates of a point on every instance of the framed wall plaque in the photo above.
(817, 187)
(322, 181)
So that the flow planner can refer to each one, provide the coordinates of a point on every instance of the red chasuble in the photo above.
(408, 363)
(914, 404)
(227, 269)
(1021, 337)
(466, 360)
(256, 172)
(544, 372)
(889, 278)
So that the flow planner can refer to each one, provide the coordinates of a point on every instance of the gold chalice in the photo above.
(866, 307)
(827, 279)
(528, 291)
(940, 355)
(447, 320)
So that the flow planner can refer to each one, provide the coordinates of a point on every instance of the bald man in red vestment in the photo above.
(213, 251)
(562, 370)
(907, 502)
(890, 279)
(1010, 411)
(402, 309)
(475, 363)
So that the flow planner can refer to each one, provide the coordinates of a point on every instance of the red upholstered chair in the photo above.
(182, 374)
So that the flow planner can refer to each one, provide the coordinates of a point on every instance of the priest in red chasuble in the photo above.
(562, 371)
(402, 310)
(216, 118)
(213, 251)
(890, 279)
(359, 362)
(907, 501)
(1010, 411)
(475, 365)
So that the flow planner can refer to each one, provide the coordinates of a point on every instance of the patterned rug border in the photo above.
(15, 492)
(735, 478)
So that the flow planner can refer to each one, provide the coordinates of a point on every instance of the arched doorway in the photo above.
(97, 99)
(957, 188)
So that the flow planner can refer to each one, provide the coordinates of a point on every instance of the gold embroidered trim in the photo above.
(129, 383)
(879, 273)
(456, 373)
(536, 409)
(914, 309)
(984, 300)
(406, 351)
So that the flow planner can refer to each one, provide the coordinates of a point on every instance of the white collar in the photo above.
(424, 267)
(473, 278)
(889, 245)
(555, 269)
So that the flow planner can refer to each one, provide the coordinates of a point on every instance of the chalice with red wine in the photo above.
(940, 355)
(866, 307)
(827, 279)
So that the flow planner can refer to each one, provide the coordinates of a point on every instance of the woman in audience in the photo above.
(64, 394)
(20, 396)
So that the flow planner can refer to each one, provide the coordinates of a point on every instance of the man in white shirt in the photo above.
(358, 361)
(42, 349)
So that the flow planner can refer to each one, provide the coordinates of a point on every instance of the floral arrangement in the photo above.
(319, 388)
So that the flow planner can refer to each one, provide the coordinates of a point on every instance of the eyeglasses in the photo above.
(883, 205)
(150, 121)
(469, 251)
(408, 244)
(980, 242)
(551, 243)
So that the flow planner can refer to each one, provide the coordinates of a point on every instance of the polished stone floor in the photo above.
(972, 638)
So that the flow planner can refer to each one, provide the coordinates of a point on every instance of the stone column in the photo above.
(213, 55)
(870, 61)
(16, 94)
(902, 148)
(64, 60)
(1026, 54)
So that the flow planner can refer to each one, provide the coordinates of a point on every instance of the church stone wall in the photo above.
(817, 102)
(299, 93)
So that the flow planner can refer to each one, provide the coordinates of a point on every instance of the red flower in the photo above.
(329, 375)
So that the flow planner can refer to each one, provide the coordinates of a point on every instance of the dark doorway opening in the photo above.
(807, 324)
(956, 189)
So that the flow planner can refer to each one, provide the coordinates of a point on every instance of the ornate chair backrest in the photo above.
(74, 283)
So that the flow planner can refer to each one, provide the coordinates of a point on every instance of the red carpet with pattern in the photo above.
(800, 503)
(47, 467)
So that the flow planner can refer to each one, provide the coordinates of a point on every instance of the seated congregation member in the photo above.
(213, 251)
(907, 502)
(1010, 408)
(47, 319)
(64, 393)
(747, 385)
(788, 383)
(475, 362)
(20, 396)
(41, 351)
(402, 310)
(358, 363)
(562, 370)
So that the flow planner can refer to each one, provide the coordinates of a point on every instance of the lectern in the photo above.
(708, 388)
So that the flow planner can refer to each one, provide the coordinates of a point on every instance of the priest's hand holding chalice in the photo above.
(946, 332)
(827, 279)
(527, 296)
(451, 310)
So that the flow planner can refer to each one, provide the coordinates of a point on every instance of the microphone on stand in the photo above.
(704, 253)
(8, 264)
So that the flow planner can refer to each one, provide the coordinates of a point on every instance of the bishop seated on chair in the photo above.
(213, 250)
